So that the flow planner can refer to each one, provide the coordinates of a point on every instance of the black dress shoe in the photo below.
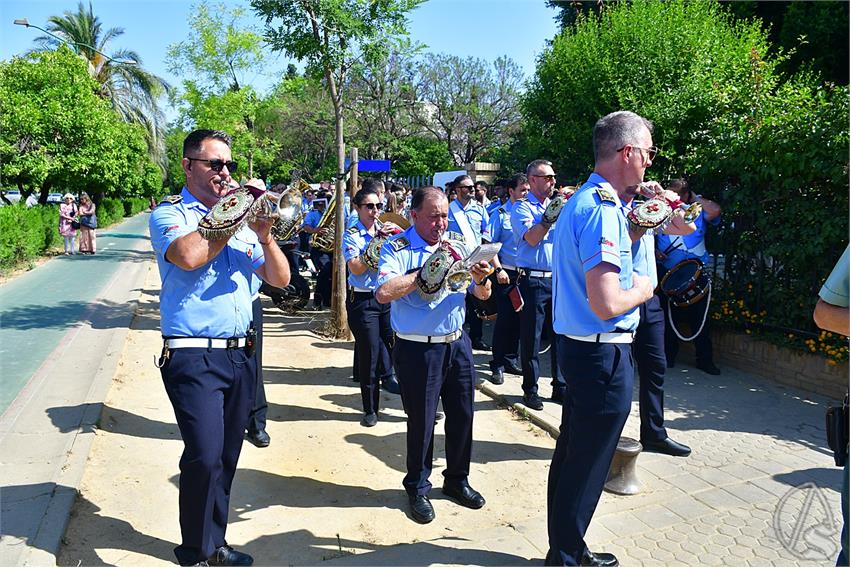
(480, 345)
(369, 420)
(513, 369)
(421, 509)
(558, 396)
(599, 559)
(391, 385)
(498, 376)
(259, 438)
(226, 555)
(666, 447)
(464, 495)
(708, 368)
(532, 401)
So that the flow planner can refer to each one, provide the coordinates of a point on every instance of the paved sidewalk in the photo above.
(328, 490)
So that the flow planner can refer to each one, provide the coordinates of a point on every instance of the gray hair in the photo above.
(615, 130)
(535, 164)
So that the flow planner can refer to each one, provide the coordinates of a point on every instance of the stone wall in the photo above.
(783, 365)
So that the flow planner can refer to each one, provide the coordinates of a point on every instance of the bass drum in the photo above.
(686, 283)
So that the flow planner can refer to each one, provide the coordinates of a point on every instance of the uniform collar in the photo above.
(362, 227)
(602, 183)
(532, 199)
(190, 202)
(416, 241)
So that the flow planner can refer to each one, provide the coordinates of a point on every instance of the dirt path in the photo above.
(325, 487)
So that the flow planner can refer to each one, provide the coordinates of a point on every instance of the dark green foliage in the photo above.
(771, 149)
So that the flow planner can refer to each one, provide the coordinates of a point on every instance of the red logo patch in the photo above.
(606, 242)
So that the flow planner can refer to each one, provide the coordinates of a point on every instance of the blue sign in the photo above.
(370, 164)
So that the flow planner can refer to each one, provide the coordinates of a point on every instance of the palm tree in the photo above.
(131, 90)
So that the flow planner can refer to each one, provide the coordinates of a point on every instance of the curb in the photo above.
(531, 415)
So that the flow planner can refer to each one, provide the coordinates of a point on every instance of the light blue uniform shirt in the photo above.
(500, 231)
(524, 215)
(403, 254)
(494, 206)
(354, 242)
(478, 221)
(643, 253)
(836, 288)
(692, 245)
(214, 300)
(590, 230)
(313, 218)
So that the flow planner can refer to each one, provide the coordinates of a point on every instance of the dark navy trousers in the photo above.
(257, 421)
(537, 296)
(506, 330)
(428, 373)
(599, 379)
(476, 325)
(373, 337)
(212, 391)
(648, 351)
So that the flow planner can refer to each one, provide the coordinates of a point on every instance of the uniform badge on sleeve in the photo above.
(605, 196)
(171, 200)
(399, 243)
(353, 230)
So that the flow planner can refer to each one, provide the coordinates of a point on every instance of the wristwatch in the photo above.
(499, 270)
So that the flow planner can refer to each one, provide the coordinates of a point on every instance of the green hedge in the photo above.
(26, 233)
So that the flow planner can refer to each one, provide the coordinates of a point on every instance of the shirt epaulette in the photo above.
(399, 243)
(171, 200)
(353, 230)
(502, 210)
(605, 196)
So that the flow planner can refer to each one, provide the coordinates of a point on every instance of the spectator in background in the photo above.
(67, 215)
(32, 200)
(481, 191)
(88, 242)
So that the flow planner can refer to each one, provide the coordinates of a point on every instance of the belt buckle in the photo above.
(232, 342)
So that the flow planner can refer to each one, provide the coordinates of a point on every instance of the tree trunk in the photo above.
(339, 316)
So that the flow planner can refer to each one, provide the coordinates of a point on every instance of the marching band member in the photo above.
(596, 295)
(534, 264)
(368, 319)
(506, 329)
(433, 354)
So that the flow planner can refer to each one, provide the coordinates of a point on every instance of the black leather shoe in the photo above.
(558, 396)
(666, 447)
(438, 416)
(709, 368)
(464, 495)
(480, 345)
(532, 401)
(391, 385)
(259, 438)
(226, 555)
(421, 509)
(369, 420)
(599, 559)
(498, 376)
(513, 369)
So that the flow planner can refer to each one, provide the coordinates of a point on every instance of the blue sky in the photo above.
(479, 28)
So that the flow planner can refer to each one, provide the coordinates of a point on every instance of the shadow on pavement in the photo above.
(22, 500)
(823, 477)
(99, 314)
(113, 420)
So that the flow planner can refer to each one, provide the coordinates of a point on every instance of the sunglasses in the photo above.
(546, 177)
(217, 164)
(465, 186)
(651, 151)
(373, 206)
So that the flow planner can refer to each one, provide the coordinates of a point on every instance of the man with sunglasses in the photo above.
(597, 292)
(469, 218)
(208, 365)
(534, 263)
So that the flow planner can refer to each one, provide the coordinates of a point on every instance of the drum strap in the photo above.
(701, 325)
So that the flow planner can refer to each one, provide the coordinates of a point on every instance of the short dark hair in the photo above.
(535, 164)
(460, 178)
(517, 180)
(195, 140)
(482, 183)
(615, 130)
(680, 183)
(423, 193)
(375, 185)
(362, 194)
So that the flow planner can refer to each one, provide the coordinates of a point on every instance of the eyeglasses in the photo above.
(546, 177)
(373, 206)
(651, 151)
(465, 186)
(217, 164)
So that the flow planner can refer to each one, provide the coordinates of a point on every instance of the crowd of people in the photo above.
(571, 266)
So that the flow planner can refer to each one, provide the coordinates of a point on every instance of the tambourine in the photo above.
(653, 215)
(234, 210)
(443, 272)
